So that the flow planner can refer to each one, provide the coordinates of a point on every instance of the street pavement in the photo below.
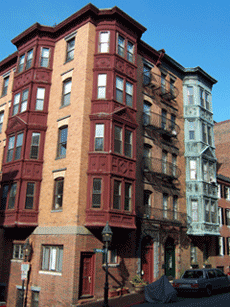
(216, 300)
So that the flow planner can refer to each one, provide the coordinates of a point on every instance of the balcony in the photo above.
(155, 122)
(152, 82)
(165, 216)
(161, 168)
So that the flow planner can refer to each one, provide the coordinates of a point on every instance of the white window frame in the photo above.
(40, 99)
(101, 86)
(52, 258)
(104, 42)
(193, 169)
(194, 210)
(99, 136)
(45, 56)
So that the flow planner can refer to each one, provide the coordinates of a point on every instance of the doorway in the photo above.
(170, 257)
(147, 259)
(87, 274)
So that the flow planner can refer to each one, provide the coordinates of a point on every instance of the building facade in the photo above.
(93, 131)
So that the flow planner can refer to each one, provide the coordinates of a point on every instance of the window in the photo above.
(207, 211)
(175, 207)
(58, 193)
(99, 137)
(213, 212)
(1, 120)
(112, 257)
(30, 190)
(147, 74)
(10, 150)
(20, 298)
(67, 84)
(228, 246)
(18, 148)
(29, 59)
(24, 100)
(163, 84)
(119, 89)
(16, 104)
(121, 46)
(174, 165)
(221, 247)
(190, 95)
(201, 97)
(117, 195)
(165, 205)
(70, 49)
(21, 63)
(172, 89)
(130, 52)
(164, 162)
(62, 142)
(52, 258)
(35, 299)
(128, 196)
(207, 101)
(194, 210)
(5, 189)
(128, 143)
(227, 193)
(129, 94)
(204, 133)
(40, 99)
(192, 164)
(147, 156)
(205, 171)
(104, 42)
(34, 148)
(45, 54)
(118, 139)
(18, 251)
(5, 85)
(220, 216)
(209, 136)
(12, 196)
(219, 190)
(101, 86)
(227, 216)
(146, 113)
(191, 130)
(193, 253)
(163, 119)
(147, 203)
(173, 122)
(96, 194)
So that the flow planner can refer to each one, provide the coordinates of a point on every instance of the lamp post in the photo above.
(26, 253)
(106, 238)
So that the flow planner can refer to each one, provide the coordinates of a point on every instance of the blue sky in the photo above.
(194, 33)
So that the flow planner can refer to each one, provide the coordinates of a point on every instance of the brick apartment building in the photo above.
(92, 130)
(222, 134)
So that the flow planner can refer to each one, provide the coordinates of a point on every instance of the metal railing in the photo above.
(165, 215)
(161, 167)
(161, 123)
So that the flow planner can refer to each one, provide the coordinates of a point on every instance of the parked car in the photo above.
(198, 280)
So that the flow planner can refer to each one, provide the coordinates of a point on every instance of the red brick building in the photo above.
(222, 134)
(92, 131)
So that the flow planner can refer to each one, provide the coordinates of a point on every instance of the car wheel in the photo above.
(208, 290)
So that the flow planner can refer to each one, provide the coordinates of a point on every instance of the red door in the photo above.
(87, 272)
(147, 259)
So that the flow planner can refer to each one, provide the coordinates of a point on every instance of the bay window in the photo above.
(118, 139)
(104, 42)
(24, 100)
(130, 52)
(190, 95)
(21, 63)
(121, 46)
(128, 143)
(34, 147)
(128, 196)
(29, 59)
(30, 191)
(193, 171)
(119, 89)
(99, 137)
(117, 195)
(12, 196)
(101, 86)
(45, 54)
(129, 94)
(96, 193)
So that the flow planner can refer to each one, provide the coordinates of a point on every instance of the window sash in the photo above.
(129, 94)
(10, 150)
(18, 251)
(67, 85)
(165, 205)
(5, 85)
(128, 143)
(58, 193)
(18, 148)
(194, 210)
(16, 103)
(128, 196)
(190, 94)
(29, 59)
(117, 195)
(192, 164)
(130, 52)
(70, 49)
(34, 148)
(52, 258)
(21, 63)
(104, 42)
(5, 190)
(12, 196)
(62, 142)
(118, 139)
(119, 89)
(24, 100)
(121, 46)
(96, 193)
(101, 86)
(99, 137)
(40, 99)
(30, 191)
(45, 53)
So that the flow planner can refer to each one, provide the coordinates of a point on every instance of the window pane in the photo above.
(101, 92)
(24, 100)
(4, 196)
(21, 63)
(128, 143)
(121, 46)
(130, 51)
(29, 59)
(5, 85)
(128, 196)
(117, 195)
(45, 57)
(129, 94)
(58, 193)
(66, 92)
(118, 139)
(16, 103)
(40, 99)
(70, 49)
(119, 89)
(12, 196)
(62, 142)
(104, 42)
(18, 146)
(96, 197)
(10, 149)
(34, 149)
(30, 195)
(99, 137)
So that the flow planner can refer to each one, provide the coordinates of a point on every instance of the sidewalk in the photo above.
(126, 300)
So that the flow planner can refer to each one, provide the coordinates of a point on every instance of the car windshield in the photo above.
(193, 274)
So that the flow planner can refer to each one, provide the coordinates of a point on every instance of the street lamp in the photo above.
(106, 238)
(26, 255)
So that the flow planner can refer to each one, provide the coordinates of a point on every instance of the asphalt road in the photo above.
(217, 300)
